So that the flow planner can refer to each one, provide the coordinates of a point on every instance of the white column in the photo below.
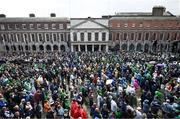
(72, 48)
(93, 48)
(106, 48)
(99, 47)
(85, 48)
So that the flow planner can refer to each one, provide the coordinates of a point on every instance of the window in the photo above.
(161, 36)
(47, 37)
(54, 37)
(60, 26)
(147, 36)
(132, 36)
(24, 26)
(62, 37)
(9, 26)
(139, 36)
(75, 36)
(17, 26)
(58, 38)
(89, 36)
(51, 37)
(46, 26)
(2, 27)
(38, 26)
(96, 36)
(103, 36)
(53, 26)
(82, 36)
(40, 37)
(22, 39)
(68, 26)
(126, 25)
(33, 37)
(118, 25)
(110, 36)
(11, 37)
(125, 36)
(133, 25)
(31, 26)
(25, 37)
(141, 25)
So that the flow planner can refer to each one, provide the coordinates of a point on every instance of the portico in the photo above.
(102, 47)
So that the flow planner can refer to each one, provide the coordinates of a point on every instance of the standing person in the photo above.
(74, 106)
(38, 111)
(47, 108)
(113, 105)
(139, 114)
(146, 106)
(60, 111)
(99, 100)
(83, 113)
(105, 111)
(97, 114)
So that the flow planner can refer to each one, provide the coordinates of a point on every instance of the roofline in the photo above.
(145, 18)
(86, 18)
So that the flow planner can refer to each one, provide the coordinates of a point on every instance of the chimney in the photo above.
(2, 15)
(53, 15)
(32, 15)
(158, 10)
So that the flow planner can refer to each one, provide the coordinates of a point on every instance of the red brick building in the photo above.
(157, 31)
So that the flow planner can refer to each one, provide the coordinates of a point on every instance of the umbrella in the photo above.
(109, 81)
(152, 62)
(160, 65)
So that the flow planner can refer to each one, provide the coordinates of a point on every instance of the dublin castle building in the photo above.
(156, 31)
(34, 34)
(89, 34)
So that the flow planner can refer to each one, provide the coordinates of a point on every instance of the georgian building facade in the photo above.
(156, 31)
(89, 34)
(147, 32)
(34, 34)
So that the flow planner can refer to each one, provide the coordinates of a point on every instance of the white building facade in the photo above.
(89, 34)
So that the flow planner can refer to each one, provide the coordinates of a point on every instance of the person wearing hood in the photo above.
(167, 108)
(155, 106)
(146, 106)
(97, 114)
(138, 113)
(113, 105)
(74, 106)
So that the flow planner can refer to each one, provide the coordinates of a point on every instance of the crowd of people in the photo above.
(89, 85)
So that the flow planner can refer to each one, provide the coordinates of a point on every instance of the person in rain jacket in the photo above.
(146, 106)
(74, 106)
(47, 107)
(83, 113)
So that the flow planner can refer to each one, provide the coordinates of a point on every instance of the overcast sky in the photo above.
(82, 8)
